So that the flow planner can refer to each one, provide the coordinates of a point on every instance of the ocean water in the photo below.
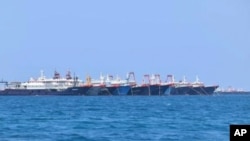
(121, 118)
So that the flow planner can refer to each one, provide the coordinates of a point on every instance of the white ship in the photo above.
(56, 83)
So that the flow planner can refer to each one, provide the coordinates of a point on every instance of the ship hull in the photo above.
(30, 92)
(73, 91)
(13, 92)
(107, 90)
(190, 90)
(148, 90)
(121, 90)
(139, 90)
(202, 90)
(173, 90)
(94, 91)
(100, 90)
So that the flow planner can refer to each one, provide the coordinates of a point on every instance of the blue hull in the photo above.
(189, 90)
(148, 90)
(121, 90)
(178, 90)
(203, 90)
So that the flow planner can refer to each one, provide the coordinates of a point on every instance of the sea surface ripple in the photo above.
(121, 118)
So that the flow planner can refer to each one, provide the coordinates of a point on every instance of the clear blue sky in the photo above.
(208, 38)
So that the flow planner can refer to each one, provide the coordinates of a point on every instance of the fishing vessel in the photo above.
(178, 88)
(121, 86)
(110, 86)
(106, 85)
(150, 86)
(47, 86)
(199, 88)
(187, 88)
(231, 90)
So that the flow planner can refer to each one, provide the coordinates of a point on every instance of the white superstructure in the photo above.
(109, 80)
(42, 82)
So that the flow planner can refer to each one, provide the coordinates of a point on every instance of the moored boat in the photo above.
(46, 86)
(187, 88)
(150, 86)
(177, 88)
(231, 90)
(121, 86)
(199, 88)
(110, 86)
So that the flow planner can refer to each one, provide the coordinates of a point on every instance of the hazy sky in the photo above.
(208, 38)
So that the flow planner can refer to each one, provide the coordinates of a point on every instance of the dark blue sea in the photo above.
(121, 118)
